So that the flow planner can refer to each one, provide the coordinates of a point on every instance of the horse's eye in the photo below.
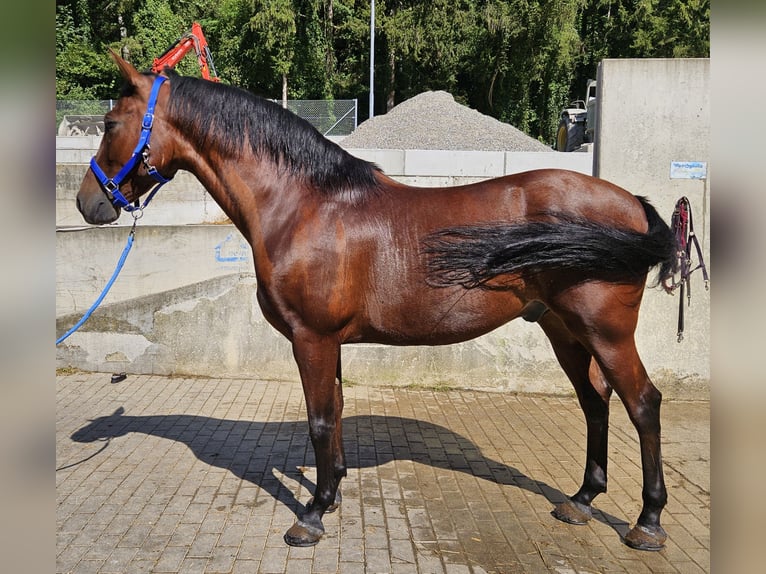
(109, 125)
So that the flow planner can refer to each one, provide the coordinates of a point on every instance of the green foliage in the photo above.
(156, 27)
(518, 60)
(274, 23)
(429, 44)
(81, 72)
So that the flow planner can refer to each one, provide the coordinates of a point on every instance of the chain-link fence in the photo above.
(86, 117)
(330, 117)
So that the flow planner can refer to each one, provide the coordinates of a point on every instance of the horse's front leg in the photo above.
(339, 451)
(317, 360)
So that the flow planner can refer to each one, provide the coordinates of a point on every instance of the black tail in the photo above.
(471, 256)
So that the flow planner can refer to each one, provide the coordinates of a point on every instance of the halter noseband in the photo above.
(111, 186)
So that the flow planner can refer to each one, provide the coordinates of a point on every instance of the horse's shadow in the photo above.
(253, 450)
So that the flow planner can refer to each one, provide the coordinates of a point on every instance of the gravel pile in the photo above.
(434, 120)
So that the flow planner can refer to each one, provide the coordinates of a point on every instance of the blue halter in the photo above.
(111, 186)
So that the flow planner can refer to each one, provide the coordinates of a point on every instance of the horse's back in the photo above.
(559, 191)
(530, 194)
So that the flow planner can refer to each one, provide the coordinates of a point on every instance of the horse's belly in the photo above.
(450, 318)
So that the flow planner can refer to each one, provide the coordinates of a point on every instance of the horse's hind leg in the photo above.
(623, 368)
(605, 316)
(593, 393)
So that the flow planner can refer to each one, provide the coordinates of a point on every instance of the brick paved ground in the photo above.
(170, 475)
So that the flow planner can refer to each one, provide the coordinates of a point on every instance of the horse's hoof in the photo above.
(572, 512)
(647, 538)
(303, 534)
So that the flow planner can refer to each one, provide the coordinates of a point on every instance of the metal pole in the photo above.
(372, 58)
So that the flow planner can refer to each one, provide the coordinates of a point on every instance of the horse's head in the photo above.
(103, 428)
(125, 167)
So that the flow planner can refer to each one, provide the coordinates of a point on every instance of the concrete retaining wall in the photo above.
(653, 134)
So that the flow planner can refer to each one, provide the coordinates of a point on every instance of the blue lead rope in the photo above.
(120, 263)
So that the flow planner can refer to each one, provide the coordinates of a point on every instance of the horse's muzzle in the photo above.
(96, 209)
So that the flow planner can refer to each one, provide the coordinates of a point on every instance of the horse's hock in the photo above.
(185, 302)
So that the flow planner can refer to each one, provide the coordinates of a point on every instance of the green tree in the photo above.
(82, 73)
(426, 46)
(351, 48)
(525, 55)
(671, 28)
(639, 29)
(518, 60)
(155, 27)
(274, 22)
(313, 79)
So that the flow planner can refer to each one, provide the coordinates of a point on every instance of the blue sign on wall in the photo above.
(688, 170)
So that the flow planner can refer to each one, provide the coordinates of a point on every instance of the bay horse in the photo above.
(345, 254)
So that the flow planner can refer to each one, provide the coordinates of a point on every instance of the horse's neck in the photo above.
(260, 199)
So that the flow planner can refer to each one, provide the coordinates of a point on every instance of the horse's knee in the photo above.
(326, 437)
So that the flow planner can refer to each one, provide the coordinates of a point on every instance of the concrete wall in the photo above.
(654, 120)
(185, 301)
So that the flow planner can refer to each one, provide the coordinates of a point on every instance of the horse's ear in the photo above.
(129, 73)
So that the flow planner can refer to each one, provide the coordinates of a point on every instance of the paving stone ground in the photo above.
(186, 475)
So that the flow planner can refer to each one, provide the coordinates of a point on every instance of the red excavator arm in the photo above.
(192, 40)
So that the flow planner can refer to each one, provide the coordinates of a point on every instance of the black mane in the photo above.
(221, 118)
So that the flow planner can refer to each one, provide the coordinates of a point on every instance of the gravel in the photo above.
(434, 120)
